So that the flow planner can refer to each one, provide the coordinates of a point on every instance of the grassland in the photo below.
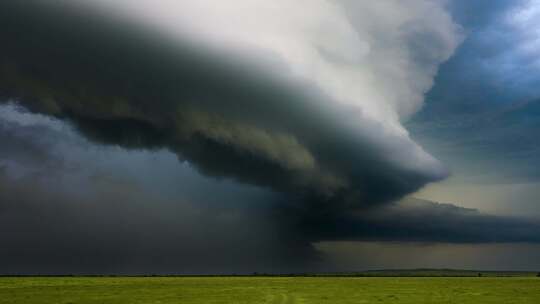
(208, 290)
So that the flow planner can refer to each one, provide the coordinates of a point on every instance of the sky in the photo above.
(181, 137)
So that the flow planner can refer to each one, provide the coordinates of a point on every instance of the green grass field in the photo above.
(186, 290)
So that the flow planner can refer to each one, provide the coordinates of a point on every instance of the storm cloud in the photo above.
(81, 218)
(247, 109)
(415, 220)
(289, 131)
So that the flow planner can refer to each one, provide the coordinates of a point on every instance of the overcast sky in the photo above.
(144, 136)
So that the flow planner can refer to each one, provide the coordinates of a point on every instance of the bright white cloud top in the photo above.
(380, 56)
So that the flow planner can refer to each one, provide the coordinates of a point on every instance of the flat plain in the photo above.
(285, 290)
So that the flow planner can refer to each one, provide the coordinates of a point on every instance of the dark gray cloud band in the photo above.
(58, 221)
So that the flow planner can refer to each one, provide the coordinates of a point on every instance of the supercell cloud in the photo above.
(298, 100)
(295, 107)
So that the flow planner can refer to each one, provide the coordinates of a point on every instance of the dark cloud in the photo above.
(115, 229)
(415, 220)
(328, 166)
(112, 228)
(221, 113)
(61, 217)
(102, 221)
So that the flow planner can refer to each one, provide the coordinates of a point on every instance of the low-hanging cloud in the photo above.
(80, 218)
(415, 220)
(307, 103)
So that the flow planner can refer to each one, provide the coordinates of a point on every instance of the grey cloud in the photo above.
(111, 228)
(62, 217)
(414, 220)
(229, 116)
(104, 221)
(123, 87)
(27, 146)
(115, 230)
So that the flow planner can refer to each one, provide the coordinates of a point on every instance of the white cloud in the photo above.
(380, 56)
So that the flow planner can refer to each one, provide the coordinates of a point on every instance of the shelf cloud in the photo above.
(310, 102)
(302, 103)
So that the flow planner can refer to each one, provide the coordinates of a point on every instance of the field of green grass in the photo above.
(207, 290)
